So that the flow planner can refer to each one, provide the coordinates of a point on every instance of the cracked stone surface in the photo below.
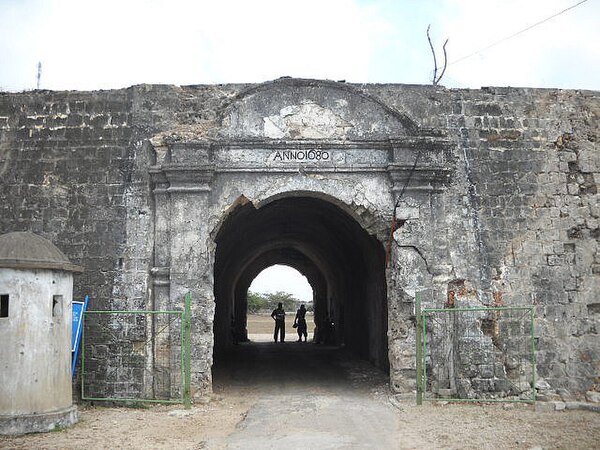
(498, 191)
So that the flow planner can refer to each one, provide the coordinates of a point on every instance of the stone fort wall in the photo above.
(518, 225)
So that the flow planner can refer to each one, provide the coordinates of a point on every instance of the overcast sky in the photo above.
(283, 278)
(89, 44)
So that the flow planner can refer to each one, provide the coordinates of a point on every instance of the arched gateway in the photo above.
(480, 197)
(345, 266)
(306, 174)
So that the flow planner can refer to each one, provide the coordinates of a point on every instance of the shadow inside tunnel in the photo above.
(293, 366)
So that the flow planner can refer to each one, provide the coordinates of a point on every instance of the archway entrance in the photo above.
(324, 164)
(279, 284)
(343, 263)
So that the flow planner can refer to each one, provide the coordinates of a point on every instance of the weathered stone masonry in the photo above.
(160, 190)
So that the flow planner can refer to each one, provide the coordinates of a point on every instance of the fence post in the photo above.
(187, 325)
(82, 358)
(419, 343)
(533, 360)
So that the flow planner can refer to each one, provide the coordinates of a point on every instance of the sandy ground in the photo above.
(260, 327)
(214, 426)
(157, 427)
(299, 396)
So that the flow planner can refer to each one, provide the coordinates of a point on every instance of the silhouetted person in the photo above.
(326, 330)
(278, 316)
(329, 330)
(300, 323)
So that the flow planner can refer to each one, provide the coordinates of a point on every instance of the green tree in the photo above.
(289, 301)
(256, 302)
(267, 302)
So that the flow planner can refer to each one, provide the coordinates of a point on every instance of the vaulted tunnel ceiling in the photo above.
(343, 263)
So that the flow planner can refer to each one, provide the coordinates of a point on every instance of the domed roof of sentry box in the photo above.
(25, 250)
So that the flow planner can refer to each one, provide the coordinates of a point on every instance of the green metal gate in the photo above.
(137, 356)
(476, 354)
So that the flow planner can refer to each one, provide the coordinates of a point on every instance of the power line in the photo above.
(517, 33)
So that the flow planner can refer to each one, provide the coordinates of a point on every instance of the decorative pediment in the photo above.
(309, 109)
(306, 121)
(291, 126)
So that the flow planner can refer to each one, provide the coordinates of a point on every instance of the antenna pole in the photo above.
(39, 73)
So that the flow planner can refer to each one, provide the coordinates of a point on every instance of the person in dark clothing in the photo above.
(278, 316)
(300, 323)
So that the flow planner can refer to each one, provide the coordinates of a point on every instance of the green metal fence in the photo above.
(137, 356)
(476, 354)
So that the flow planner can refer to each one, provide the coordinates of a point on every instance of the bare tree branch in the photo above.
(435, 79)
(445, 63)
(433, 53)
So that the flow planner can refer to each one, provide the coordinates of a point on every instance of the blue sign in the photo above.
(78, 310)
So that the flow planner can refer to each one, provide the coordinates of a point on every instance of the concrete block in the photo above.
(592, 396)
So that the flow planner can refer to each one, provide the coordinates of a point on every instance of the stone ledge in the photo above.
(38, 423)
(561, 406)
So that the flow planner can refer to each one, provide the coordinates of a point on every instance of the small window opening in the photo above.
(57, 302)
(4, 305)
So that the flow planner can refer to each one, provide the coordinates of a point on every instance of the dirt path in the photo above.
(311, 397)
(299, 396)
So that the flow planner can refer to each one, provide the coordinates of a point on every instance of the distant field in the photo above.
(261, 326)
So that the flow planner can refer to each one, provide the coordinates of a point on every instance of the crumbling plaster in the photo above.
(503, 195)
